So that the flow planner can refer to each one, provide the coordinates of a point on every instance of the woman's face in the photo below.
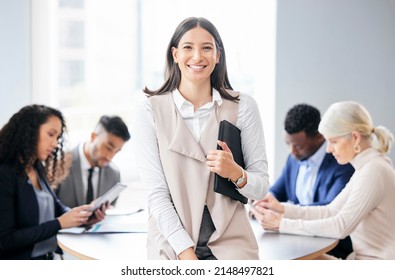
(49, 133)
(196, 55)
(342, 148)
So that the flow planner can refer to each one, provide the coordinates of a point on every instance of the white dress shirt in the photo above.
(150, 167)
(196, 121)
(307, 176)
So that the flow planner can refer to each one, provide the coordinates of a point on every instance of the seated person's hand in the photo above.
(75, 217)
(270, 220)
(270, 202)
(98, 215)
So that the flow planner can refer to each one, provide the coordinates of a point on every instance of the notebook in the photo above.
(230, 134)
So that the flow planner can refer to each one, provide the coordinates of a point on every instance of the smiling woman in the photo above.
(196, 59)
(91, 58)
(175, 142)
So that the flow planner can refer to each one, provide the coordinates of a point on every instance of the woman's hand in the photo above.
(188, 254)
(222, 163)
(270, 220)
(270, 202)
(75, 217)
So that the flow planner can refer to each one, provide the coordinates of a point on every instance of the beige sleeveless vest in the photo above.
(191, 184)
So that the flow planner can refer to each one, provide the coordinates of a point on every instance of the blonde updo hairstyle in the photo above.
(342, 118)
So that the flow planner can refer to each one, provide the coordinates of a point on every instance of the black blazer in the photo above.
(19, 213)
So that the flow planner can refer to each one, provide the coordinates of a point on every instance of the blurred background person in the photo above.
(365, 209)
(310, 176)
(32, 159)
(92, 172)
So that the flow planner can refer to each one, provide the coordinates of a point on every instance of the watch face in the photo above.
(240, 181)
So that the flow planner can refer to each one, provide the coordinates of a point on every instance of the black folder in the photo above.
(230, 134)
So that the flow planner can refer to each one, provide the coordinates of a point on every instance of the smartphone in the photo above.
(109, 196)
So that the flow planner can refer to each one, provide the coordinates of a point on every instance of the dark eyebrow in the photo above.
(113, 146)
(54, 130)
(190, 43)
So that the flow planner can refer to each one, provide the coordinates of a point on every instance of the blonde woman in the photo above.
(365, 209)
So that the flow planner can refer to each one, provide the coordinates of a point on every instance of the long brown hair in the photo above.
(219, 77)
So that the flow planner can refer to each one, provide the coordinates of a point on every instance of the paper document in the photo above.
(116, 223)
(107, 228)
(124, 228)
(122, 211)
(74, 230)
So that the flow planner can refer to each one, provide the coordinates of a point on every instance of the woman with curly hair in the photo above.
(32, 159)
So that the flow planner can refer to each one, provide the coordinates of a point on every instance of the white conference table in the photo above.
(272, 246)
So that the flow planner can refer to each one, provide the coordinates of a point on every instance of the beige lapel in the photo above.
(183, 142)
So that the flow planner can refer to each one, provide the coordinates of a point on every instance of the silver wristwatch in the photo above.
(241, 180)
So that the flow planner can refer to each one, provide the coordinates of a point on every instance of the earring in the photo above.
(357, 148)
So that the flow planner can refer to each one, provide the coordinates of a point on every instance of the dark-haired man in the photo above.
(310, 176)
(92, 173)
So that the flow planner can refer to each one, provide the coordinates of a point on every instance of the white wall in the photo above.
(332, 50)
(15, 78)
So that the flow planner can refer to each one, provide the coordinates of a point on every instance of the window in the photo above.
(78, 4)
(93, 57)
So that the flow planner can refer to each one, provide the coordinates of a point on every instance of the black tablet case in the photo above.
(230, 134)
